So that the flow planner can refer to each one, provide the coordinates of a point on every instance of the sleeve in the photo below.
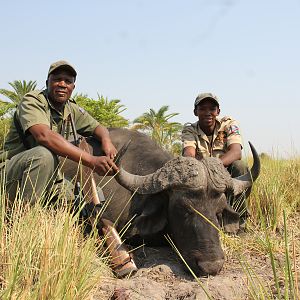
(232, 130)
(84, 122)
(33, 111)
(188, 136)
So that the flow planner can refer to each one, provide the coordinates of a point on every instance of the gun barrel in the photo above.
(122, 262)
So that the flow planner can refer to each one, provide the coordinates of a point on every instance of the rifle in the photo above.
(122, 263)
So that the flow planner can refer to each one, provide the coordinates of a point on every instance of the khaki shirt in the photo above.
(226, 133)
(35, 108)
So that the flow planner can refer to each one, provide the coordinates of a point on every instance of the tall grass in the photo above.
(44, 255)
(277, 190)
(274, 231)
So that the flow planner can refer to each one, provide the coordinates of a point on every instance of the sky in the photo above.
(165, 52)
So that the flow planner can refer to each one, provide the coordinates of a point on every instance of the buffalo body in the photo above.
(183, 197)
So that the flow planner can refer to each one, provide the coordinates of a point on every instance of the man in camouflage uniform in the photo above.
(38, 135)
(216, 137)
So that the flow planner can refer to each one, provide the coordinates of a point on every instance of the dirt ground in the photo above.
(162, 275)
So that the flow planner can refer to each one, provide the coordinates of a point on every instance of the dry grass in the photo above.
(273, 231)
(45, 256)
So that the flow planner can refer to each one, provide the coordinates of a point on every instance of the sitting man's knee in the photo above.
(46, 157)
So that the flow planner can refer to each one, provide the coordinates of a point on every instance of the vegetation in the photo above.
(158, 126)
(14, 96)
(45, 256)
(7, 107)
(19, 89)
(4, 127)
(277, 193)
(107, 112)
(273, 232)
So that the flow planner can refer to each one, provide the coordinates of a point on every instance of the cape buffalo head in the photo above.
(194, 186)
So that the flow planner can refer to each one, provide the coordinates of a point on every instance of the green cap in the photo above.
(203, 96)
(64, 65)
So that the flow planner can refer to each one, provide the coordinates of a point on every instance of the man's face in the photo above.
(207, 111)
(60, 86)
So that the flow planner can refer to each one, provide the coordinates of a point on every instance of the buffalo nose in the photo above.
(211, 267)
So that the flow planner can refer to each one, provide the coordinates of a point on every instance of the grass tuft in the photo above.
(44, 255)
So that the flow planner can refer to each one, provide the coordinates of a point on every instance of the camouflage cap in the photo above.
(203, 96)
(64, 65)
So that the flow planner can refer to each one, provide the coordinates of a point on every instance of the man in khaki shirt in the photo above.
(215, 137)
(39, 132)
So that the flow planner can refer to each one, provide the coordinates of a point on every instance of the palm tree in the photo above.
(172, 137)
(20, 88)
(157, 125)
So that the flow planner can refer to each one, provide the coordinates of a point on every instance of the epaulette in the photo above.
(226, 118)
(35, 93)
(190, 124)
(190, 127)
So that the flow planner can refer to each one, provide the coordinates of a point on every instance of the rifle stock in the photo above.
(122, 262)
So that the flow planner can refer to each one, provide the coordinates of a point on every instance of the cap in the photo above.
(62, 64)
(203, 96)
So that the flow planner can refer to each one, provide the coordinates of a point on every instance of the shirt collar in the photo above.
(216, 130)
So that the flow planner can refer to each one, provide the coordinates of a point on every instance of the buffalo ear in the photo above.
(149, 225)
(229, 220)
(153, 218)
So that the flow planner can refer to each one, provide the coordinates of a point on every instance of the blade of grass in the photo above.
(170, 241)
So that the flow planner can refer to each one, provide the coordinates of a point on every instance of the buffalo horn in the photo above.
(170, 175)
(245, 181)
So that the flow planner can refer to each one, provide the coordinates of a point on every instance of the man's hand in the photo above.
(109, 149)
(103, 165)
(101, 134)
(233, 153)
(189, 151)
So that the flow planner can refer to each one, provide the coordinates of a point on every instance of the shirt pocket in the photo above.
(220, 141)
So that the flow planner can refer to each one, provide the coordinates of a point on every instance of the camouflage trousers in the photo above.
(239, 202)
(33, 174)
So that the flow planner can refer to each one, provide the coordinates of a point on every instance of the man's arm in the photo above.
(188, 140)
(233, 153)
(60, 146)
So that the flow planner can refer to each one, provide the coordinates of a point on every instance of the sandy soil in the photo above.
(162, 275)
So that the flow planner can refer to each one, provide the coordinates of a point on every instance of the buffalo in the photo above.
(159, 194)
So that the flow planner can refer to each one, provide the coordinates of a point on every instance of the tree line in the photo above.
(156, 124)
